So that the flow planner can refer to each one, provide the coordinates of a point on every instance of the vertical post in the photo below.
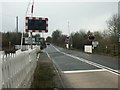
(21, 40)
(70, 38)
(17, 24)
(1, 57)
(0, 72)
(69, 35)
(32, 9)
(0, 41)
(68, 28)
(31, 40)
(16, 39)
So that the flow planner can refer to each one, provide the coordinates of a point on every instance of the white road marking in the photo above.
(81, 71)
(90, 62)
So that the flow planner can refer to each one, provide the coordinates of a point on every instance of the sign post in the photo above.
(28, 40)
(36, 24)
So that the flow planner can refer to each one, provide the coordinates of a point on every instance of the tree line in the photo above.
(108, 39)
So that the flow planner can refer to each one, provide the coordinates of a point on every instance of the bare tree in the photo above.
(113, 26)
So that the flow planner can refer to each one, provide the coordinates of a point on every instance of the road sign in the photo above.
(34, 24)
(29, 41)
(40, 39)
(88, 48)
(95, 43)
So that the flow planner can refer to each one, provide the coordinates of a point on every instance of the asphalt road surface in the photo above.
(83, 70)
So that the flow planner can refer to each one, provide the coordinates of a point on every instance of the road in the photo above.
(81, 70)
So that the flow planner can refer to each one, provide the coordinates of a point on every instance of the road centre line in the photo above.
(91, 63)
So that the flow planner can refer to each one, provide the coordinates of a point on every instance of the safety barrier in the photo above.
(16, 68)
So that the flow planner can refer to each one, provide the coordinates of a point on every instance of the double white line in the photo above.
(91, 63)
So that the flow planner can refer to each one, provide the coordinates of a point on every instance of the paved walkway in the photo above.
(97, 79)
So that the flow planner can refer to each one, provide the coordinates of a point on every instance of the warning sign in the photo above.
(34, 24)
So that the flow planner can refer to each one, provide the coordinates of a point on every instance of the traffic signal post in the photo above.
(35, 24)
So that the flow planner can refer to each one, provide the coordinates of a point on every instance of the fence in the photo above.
(16, 68)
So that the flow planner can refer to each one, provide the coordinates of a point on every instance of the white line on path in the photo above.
(90, 62)
(80, 71)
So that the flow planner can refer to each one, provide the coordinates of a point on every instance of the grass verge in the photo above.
(43, 76)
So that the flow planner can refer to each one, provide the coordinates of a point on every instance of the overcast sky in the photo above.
(81, 15)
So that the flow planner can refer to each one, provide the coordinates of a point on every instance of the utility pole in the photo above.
(17, 24)
(16, 30)
(69, 34)
(68, 28)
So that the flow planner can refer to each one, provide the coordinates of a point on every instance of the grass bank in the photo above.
(45, 75)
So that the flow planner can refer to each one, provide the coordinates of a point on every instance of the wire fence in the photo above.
(16, 68)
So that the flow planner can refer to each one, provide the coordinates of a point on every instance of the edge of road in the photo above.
(58, 71)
